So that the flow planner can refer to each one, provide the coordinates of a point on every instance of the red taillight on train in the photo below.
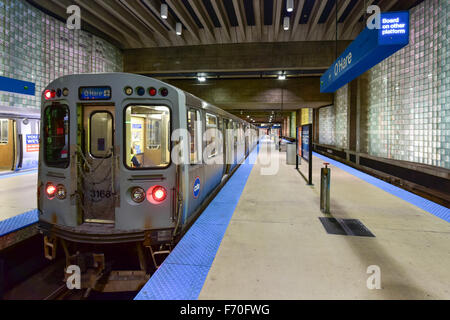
(48, 94)
(152, 91)
(50, 189)
(159, 194)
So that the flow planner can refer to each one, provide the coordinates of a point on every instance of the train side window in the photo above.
(4, 129)
(147, 137)
(101, 134)
(56, 136)
(195, 132)
(211, 131)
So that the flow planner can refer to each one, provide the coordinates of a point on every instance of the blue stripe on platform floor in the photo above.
(424, 204)
(12, 174)
(18, 222)
(183, 273)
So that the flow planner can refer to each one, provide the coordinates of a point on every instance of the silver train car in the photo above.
(107, 175)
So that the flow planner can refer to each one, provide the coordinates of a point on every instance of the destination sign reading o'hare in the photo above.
(370, 48)
(95, 93)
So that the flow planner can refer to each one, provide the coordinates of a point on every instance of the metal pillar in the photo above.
(325, 178)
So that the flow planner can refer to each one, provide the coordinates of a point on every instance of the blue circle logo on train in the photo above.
(196, 189)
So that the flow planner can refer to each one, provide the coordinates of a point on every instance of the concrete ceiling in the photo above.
(138, 24)
(239, 45)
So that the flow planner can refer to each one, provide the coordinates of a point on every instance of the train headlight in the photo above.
(164, 92)
(50, 189)
(140, 91)
(128, 91)
(138, 195)
(159, 194)
(61, 192)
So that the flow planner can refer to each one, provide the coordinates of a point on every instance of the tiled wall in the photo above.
(341, 102)
(408, 114)
(327, 123)
(38, 48)
(333, 121)
(306, 116)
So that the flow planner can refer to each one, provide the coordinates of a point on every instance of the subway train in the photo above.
(128, 161)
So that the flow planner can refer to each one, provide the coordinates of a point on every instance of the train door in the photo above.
(196, 168)
(247, 139)
(229, 144)
(97, 164)
(7, 144)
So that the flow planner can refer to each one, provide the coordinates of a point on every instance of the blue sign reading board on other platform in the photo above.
(367, 50)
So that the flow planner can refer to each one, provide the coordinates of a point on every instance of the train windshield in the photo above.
(56, 136)
(147, 137)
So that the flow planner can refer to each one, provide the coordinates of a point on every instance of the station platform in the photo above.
(17, 193)
(261, 238)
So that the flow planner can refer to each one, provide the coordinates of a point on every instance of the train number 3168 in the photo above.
(100, 194)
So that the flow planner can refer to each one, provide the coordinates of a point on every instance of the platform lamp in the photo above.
(164, 11)
(178, 29)
(286, 22)
(290, 5)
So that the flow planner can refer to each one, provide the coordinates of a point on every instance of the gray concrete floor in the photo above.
(276, 248)
(17, 195)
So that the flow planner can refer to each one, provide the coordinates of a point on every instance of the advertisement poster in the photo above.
(299, 141)
(306, 131)
(32, 142)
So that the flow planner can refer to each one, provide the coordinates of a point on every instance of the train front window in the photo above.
(147, 137)
(56, 136)
(195, 132)
(211, 132)
(4, 130)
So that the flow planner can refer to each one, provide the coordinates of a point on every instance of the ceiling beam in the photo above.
(122, 15)
(314, 18)
(222, 16)
(387, 5)
(113, 31)
(278, 4)
(298, 14)
(310, 55)
(259, 94)
(352, 19)
(203, 16)
(330, 29)
(239, 10)
(258, 18)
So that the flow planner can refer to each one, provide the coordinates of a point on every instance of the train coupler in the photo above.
(162, 251)
(50, 247)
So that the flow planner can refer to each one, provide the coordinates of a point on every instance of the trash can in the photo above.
(291, 151)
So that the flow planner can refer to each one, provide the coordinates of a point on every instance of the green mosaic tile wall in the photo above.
(327, 123)
(38, 48)
(408, 114)
(333, 121)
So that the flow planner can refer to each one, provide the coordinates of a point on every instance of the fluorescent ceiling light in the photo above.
(290, 5)
(164, 11)
(286, 22)
(178, 28)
